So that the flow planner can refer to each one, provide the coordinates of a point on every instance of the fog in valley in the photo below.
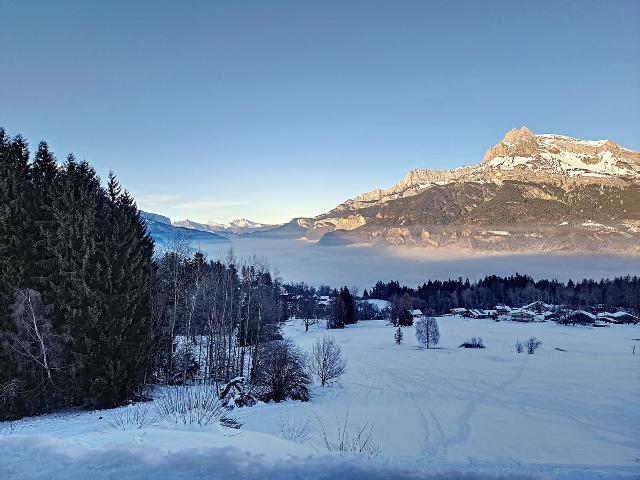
(361, 266)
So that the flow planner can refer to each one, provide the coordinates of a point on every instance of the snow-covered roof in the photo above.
(379, 304)
(583, 312)
(523, 312)
(616, 315)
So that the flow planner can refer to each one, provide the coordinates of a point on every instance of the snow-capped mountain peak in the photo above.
(559, 154)
(522, 155)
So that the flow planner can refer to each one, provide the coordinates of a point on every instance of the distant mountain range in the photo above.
(163, 232)
(529, 193)
(239, 226)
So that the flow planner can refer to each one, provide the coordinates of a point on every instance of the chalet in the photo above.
(577, 317)
(503, 309)
(463, 312)
(523, 315)
(416, 314)
(480, 313)
(539, 307)
(324, 300)
(477, 313)
(617, 317)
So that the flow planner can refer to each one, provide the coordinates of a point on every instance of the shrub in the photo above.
(283, 372)
(136, 416)
(519, 346)
(473, 342)
(190, 405)
(532, 345)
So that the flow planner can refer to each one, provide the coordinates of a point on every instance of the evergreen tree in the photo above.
(77, 257)
(398, 336)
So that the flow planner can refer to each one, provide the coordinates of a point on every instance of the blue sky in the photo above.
(270, 110)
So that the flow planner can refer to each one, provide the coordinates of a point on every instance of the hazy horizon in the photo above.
(361, 266)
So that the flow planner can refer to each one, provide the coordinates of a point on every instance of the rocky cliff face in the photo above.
(530, 192)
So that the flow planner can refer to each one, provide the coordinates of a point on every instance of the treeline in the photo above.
(88, 316)
(439, 297)
(341, 308)
(214, 320)
(75, 268)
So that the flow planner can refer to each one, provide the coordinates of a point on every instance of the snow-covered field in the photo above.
(569, 414)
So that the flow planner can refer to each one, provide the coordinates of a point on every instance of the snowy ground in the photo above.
(435, 413)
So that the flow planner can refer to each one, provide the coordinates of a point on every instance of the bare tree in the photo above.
(519, 346)
(32, 325)
(327, 362)
(32, 345)
(532, 345)
(427, 332)
(307, 308)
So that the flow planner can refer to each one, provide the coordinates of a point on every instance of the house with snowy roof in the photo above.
(577, 317)
(523, 315)
(539, 307)
(617, 317)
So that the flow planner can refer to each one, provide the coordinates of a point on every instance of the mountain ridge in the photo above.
(540, 192)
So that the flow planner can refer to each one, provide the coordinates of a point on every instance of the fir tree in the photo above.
(398, 336)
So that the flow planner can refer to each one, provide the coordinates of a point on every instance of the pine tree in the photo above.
(398, 336)
(15, 230)
(79, 256)
(15, 225)
(44, 171)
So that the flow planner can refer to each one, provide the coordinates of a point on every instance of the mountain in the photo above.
(239, 226)
(529, 193)
(163, 232)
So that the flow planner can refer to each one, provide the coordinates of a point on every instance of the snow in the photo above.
(379, 304)
(556, 414)
(555, 156)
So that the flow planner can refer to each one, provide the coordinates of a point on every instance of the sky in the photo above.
(271, 110)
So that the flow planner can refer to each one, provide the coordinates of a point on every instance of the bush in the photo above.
(473, 342)
(327, 361)
(532, 345)
(519, 346)
(190, 405)
(136, 416)
(427, 332)
(283, 372)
